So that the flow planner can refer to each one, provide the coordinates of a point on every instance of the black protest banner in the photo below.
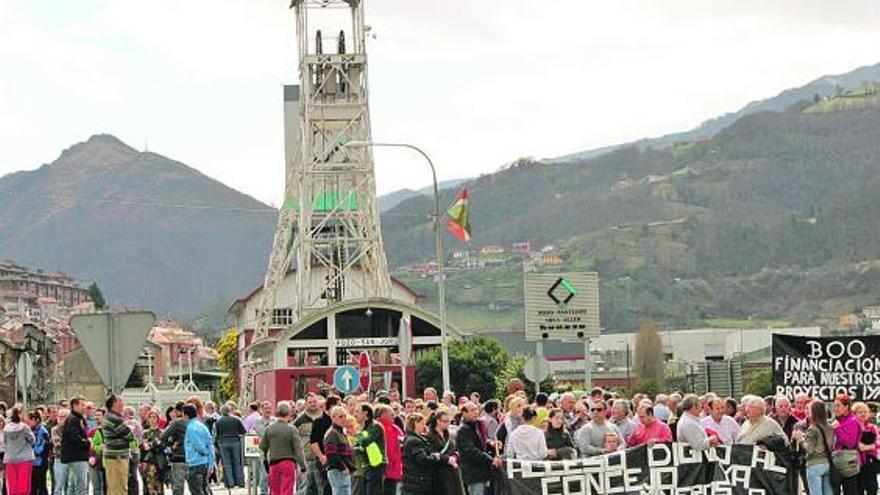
(667, 469)
(823, 367)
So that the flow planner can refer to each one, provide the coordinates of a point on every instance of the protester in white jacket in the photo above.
(527, 442)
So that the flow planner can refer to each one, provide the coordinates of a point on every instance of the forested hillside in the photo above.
(774, 217)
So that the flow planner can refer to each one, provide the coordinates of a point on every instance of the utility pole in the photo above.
(438, 251)
(588, 366)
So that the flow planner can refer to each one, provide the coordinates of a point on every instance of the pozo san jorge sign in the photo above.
(667, 469)
(824, 367)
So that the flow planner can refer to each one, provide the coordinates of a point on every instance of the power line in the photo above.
(158, 204)
(183, 206)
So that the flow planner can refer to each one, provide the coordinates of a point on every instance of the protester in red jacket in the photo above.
(393, 437)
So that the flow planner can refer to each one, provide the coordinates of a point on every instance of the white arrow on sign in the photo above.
(347, 379)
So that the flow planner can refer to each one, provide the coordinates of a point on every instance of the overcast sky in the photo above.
(476, 83)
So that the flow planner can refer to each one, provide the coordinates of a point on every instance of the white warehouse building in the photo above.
(704, 344)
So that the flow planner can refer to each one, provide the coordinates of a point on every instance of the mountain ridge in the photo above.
(153, 232)
(822, 86)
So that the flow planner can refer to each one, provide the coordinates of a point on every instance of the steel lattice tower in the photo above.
(328, 229)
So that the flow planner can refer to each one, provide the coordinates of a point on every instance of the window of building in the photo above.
(282, 317)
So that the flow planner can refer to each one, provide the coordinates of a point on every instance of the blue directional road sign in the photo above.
(346, 379)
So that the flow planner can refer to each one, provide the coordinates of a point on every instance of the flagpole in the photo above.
(438, 240)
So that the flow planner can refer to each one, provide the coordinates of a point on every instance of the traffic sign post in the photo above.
(112, 342)
(252, 446)
(346, 379)
(365, 368)
(24, 374)
(405, 343)
(537, 369)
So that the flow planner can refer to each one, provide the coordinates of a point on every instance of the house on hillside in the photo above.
(522, 248)
(623, 185)
(17, 279)
(872, 314)
(428, 269)
(551, 259)
(848, 321)
(653, 179)
(173, 350)
(19, 303)
(490, 250)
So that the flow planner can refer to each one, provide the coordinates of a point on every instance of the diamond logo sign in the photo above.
(561, 291)
(561, 306)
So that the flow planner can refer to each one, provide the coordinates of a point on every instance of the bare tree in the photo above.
(648, 362)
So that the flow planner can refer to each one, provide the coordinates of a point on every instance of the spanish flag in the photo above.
(459, 223)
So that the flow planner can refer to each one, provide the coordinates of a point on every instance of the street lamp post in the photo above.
(438, 240)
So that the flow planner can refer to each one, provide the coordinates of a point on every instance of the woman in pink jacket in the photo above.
(847, 433)
(393, 437)
(867, 449)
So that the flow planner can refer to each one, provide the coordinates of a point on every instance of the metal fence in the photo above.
(724, 378)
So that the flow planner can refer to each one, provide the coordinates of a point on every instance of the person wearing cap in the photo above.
(661, 411)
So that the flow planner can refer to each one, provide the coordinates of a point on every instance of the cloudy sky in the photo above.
(475, 83)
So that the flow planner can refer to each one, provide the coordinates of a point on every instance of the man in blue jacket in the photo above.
(199, 448)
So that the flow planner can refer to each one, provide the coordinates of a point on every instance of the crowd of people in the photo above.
(431, 445)
(75, 448)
